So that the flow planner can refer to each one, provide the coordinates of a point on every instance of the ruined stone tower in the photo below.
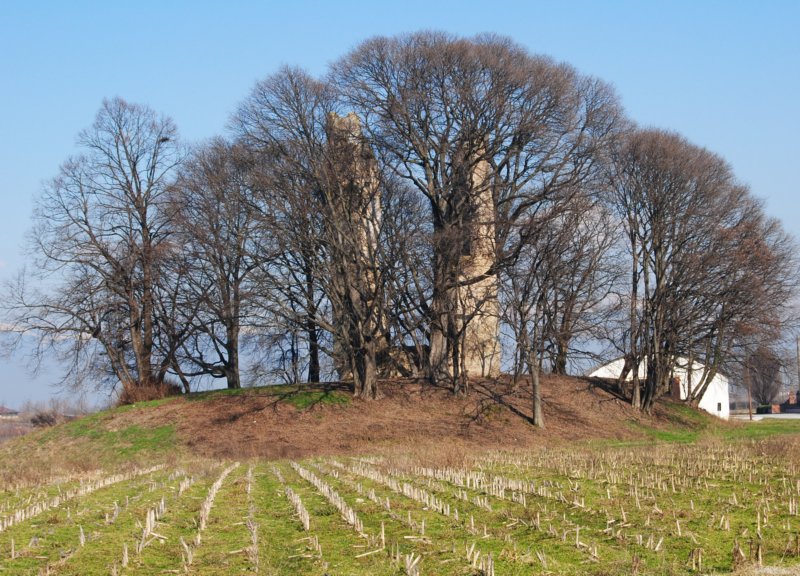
(477, 299)
(359, 182)
(359, 175)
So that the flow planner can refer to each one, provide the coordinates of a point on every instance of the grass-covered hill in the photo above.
(306, 480)
(309, 420)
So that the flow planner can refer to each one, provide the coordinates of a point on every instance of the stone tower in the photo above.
(359, 175)
(359, 183)
(477, 299)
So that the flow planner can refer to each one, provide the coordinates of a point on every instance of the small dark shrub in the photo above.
(152, 392)
(45, 418)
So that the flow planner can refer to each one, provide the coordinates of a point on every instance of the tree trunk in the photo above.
(536, 392)
(232, 377)
(442, 310)
(438, 357)
(147, 307)
(636, 391)
(311, 331)
(232, 374)
(313, 352)
(142, 359)
(365, 373)
(560, 360)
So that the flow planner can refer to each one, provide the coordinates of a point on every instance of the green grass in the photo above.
(676, 435)
(685, 425)
(202, 396)
(303, 399)
(688, 496)
(688, 425)
(97, 436)
(685, 415)
(52, 538)
(143, 404)
(123, 435)
(760, 429)
(126, 442)
(282, 545)
(134, 439)
(92, 425)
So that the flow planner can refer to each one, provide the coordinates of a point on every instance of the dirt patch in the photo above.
(410, 414)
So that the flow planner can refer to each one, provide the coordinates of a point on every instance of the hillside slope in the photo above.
(301, 421)
(298, 422)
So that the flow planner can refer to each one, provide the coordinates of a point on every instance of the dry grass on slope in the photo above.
(283, 422)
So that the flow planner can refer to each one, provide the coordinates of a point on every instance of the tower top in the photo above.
(348, 127)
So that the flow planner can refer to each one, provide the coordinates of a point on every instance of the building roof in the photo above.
(7, 411)
(614, 367)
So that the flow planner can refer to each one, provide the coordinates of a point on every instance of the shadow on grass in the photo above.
(301, 396)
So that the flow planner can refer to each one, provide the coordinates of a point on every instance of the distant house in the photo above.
(8, 413)
(715, 401)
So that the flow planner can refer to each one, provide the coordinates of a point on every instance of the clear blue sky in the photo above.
(725, 74)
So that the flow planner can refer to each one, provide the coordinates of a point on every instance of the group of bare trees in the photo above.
(99, 244)
(335, 232)
(711, 277)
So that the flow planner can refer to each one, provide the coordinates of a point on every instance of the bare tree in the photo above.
(665, 189)
(523, 296)
(556, 288)
(101, 235)
(764, 368)
(436, 107)
(353, 224)
(408, 243)
(221, 242)
(581, 272)
(757, 272)
(283, 122)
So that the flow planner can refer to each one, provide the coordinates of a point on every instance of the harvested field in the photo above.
(668, 509)
(306, 481)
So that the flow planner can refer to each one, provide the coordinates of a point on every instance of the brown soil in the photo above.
(411, 415)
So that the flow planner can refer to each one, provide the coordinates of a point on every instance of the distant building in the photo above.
(715, 401)
(8, 413)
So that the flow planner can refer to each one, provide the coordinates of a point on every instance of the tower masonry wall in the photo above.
(478, 294)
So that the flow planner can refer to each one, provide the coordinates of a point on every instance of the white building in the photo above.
(715, 401)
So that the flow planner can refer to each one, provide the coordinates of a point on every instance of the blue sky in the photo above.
(725, 74)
